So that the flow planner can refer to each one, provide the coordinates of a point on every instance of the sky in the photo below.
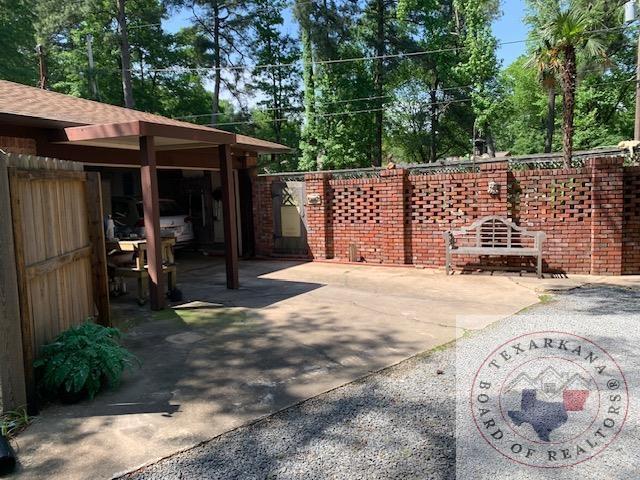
(508, 27)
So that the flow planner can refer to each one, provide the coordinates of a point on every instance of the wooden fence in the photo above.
(55, 213)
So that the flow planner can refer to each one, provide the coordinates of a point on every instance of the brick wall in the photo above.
(18, 145)
(631, 223)
(557, 202)
(591, 215)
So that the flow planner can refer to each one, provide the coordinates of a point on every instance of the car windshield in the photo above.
(168, 208)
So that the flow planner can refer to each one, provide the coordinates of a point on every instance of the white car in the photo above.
(129, 211)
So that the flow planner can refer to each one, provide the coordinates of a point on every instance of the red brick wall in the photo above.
(607, 199)
(437, 203)
(368, 213)
(592, 225)
(631, 225)
(18, 145)
(319, 226)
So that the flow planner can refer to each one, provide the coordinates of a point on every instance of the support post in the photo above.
(93, 193)
(151, 208)
(12, 375)
(229, 216)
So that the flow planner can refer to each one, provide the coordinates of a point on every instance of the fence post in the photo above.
(12, 379)
(318, 209)
(263, 215)
(607, 215)
(93, 194)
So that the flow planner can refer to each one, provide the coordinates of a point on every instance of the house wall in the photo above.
(18, 145)
(591, 215)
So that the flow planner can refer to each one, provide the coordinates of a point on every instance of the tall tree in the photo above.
(125, 53)
(17, 37)
(569, 33)
(480, 65)
(225, 23)
(270, 47)
(309, 140)
(547, 67)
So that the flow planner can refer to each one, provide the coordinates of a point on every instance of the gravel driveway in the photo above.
(401, 422)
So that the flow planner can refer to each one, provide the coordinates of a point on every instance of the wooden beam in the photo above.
(52, 264)
(151, 206)
(95, 216)
(229, 216)
(12, 381)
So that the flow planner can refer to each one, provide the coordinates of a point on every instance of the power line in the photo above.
(371, 110)
(333, 114)
(352, 59)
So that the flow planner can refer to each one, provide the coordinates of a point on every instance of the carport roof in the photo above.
(83, 121)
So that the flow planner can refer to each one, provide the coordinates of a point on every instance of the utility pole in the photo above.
(636, 131)
(629, 17)
(43, 66)
(92, 73)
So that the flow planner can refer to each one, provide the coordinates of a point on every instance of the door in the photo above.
(289, 218)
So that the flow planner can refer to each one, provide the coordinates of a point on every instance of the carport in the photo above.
(70, 128)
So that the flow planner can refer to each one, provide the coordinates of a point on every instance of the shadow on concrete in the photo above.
(233, 363)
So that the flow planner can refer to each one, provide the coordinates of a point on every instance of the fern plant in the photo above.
(81, 360)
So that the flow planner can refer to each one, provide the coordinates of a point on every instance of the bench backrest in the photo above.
(494, 232)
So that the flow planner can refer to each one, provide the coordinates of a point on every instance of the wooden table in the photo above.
(139, 271)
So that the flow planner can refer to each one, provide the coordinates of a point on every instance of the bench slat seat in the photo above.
(494, 236)
(496, 251)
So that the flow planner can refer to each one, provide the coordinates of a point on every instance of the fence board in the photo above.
(12, 385)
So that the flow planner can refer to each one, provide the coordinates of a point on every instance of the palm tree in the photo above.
(548, 69)
(567, 34)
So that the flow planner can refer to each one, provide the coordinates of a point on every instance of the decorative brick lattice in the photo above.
(355, 202)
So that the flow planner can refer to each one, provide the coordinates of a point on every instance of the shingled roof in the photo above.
(67, 111)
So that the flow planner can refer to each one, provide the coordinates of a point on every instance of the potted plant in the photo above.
(80, 361)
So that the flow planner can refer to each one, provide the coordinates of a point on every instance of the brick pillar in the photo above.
(493, 204)
(392, 216)
(318, 210)
(263, 215)
(607, 215)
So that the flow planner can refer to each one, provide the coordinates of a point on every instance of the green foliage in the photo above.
(17, 37)
(13, 422)
(431, 103)
(81, 360)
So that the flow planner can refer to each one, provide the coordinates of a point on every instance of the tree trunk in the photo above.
(309, 150)
(378, 82)
(125, 55)
(551, 119)
(569, 87)
(217, 73)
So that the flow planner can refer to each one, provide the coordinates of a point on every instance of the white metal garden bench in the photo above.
(494, 236)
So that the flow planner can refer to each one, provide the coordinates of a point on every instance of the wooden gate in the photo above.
(289, 218)
(60, 262)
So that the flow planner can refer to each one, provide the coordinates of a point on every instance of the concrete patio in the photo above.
(293, 331)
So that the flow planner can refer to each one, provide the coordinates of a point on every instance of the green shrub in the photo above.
(81, 360)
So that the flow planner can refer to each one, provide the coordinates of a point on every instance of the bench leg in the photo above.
(539, 269)
(448, 262)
